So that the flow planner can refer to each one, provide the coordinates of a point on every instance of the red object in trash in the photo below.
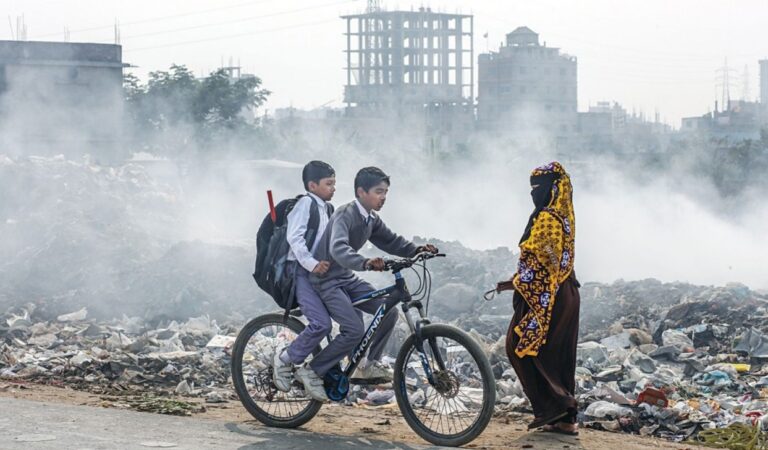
(754, 415)
(653, 397)
(272, 211)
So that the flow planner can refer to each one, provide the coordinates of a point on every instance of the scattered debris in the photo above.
(667, 360)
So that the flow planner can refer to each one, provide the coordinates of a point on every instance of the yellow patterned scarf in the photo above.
(546, 261)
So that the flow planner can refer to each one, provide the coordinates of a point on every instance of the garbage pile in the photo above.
(667, 360)
(122, 357)
(650, 366)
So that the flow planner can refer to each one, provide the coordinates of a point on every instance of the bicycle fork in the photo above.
(416, 329)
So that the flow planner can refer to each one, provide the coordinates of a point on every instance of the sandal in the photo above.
(540, 422)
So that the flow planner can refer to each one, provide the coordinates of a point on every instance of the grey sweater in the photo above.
(346, 233)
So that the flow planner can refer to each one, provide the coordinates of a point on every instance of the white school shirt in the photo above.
(298, 219)
(368, 216)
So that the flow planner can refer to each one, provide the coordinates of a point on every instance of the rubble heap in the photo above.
(668, 360)
(647, 364)
(121, 357)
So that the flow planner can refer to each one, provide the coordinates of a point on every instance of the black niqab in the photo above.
(542, 196)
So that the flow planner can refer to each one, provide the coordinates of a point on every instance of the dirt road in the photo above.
(232, 427)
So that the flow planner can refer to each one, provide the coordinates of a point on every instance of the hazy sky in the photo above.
(647, 55)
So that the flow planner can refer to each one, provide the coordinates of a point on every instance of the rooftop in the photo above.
(60, 53)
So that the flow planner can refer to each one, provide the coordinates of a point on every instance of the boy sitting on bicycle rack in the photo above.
(349, 229)
(319, 180)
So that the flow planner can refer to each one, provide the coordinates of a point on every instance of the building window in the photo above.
(522, 69)
(523, 89)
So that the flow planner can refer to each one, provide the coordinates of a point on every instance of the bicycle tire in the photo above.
(239, 382)
(488, 382)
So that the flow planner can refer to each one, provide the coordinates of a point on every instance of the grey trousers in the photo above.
(318, 320)
(337, 296)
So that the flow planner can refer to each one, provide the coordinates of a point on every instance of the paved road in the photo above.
(27, 424)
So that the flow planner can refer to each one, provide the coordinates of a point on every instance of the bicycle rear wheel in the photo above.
(252, 357)
(457, 407)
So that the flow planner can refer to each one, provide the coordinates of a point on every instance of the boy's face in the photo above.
(324, 188)
(375, 197)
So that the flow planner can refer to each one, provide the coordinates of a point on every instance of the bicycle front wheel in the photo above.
(457, 405)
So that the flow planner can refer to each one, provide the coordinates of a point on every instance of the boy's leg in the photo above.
(360, 287)
(319, 322)
(351, 330)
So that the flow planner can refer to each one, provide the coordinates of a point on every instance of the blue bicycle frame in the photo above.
(398, 293)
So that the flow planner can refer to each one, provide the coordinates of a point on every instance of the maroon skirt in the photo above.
(549, 379)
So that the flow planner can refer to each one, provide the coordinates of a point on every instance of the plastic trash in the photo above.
(74, 316)
(380, 396)
(741, 368)
(603, 409)
(677, 339)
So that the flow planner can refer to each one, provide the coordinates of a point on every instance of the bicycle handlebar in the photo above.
(399, 264)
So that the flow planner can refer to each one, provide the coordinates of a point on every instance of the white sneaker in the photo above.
(374, 371)
(313, 384)
(282, 373)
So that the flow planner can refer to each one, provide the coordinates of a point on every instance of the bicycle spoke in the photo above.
(256, 369)
(450, 410)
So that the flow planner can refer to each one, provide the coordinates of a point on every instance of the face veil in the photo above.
(541, 194)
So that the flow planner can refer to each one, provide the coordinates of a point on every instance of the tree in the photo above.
(223, 101)
(176, 107)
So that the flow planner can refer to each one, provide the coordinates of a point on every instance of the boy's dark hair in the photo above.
(368, 177)
(316, 171)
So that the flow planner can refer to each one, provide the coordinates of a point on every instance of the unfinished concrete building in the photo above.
(60, 97)
(527, 86)
(411, 65)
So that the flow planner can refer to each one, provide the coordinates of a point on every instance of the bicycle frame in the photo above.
(398, 293)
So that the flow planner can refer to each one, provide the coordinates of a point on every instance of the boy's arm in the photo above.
(341, 251)
(298, 220)
(385, 239)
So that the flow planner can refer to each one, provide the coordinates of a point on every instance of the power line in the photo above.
(244, 19)
(231, 36)
(157, 19)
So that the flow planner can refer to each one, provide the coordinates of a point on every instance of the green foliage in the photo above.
(174, 109)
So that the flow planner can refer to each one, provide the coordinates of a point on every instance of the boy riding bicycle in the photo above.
(348, 230)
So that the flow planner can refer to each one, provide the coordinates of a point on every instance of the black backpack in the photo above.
(272, 251)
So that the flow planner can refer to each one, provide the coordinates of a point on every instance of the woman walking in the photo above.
(542, 336)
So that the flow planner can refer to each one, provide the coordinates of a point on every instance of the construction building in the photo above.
(60, 97)
(527, 87)
(414, 66)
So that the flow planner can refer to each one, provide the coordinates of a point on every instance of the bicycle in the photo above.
(444, 389)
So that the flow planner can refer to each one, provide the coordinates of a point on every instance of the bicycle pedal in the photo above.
(369, 381)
